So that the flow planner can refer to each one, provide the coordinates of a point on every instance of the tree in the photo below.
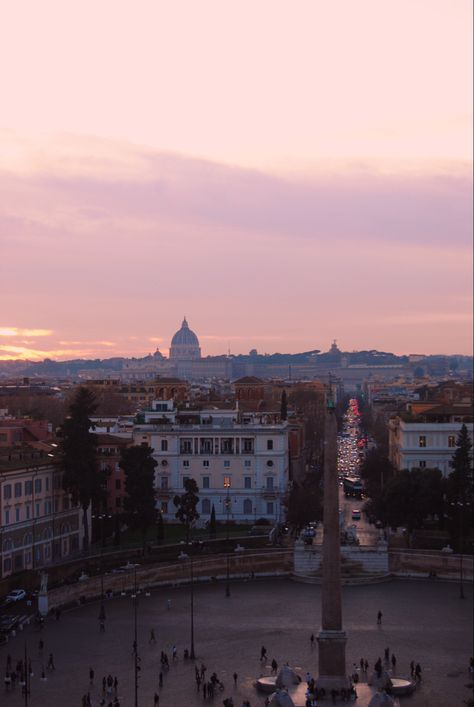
(212, 523)
(160, 529)
(186, 504)
(284, 406)
(460, 490)
(376, 471)
(139, 504)
(460, 480)
(305, 502)
(410, 497)
(82, 477)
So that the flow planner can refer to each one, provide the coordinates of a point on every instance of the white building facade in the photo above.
(430, 445)
(239, 462)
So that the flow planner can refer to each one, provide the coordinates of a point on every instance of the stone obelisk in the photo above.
(331, 638)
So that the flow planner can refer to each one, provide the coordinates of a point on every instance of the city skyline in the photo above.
(282, 177)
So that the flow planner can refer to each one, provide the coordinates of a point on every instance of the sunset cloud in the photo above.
(14, 331)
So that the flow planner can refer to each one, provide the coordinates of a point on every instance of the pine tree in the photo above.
(186, 504)
(160, 529)
(460, 480)
(82, 477)
(139, 504)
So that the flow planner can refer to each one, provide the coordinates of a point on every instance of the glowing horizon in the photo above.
(284, 175)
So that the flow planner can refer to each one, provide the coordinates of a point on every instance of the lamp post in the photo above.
(459, 505)
(189, 557)
(227, 509)
(136, 660)
(102, 615)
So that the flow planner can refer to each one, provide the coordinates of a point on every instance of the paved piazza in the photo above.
(422, 621)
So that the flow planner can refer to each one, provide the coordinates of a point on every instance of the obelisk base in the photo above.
(332, 661)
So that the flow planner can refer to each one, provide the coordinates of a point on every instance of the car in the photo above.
(355, 514)
(15, 595)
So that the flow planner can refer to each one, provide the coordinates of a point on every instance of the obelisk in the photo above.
(331, 638)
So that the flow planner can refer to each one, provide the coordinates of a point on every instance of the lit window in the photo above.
(422, 441)
(227, 483)
(451, 441)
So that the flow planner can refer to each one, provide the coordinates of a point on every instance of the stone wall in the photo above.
(419, 563)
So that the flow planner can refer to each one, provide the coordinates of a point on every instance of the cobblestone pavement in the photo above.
(422, 621)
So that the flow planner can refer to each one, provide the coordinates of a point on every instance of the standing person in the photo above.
(91, 676)
(152, 636)
(156, 700)
(235, 676)
(115, 684)
(311, 640)
(40, 645)
(418, 672)
(50, 664)
(412, 668)
(203, 671)
(362, 665)
(274, 666)
(263, 653)
(175, 653)
(366, 665)
(379, 617)
(394, 662)
(386, 654)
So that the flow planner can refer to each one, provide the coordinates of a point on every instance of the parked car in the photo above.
(15, 595)
(355, 514)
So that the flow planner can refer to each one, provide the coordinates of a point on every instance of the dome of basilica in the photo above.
(185, 344)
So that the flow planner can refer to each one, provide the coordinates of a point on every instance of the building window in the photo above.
(28, 511)
(118, 502)
(270, 462)
(186, 446)
(206, 506)
(247, 506)
(47, 507)
(7, 491)
(269, 444)
(270, 507)
(206, 463)
(46, 481)
(164, 483)
(227, 483)
(422, 464)
(18, 486)
(164, 506)
(118, 484)
(7, 517)
(164, 445)
(269, 483)
(18, 562)
(205, 482)
(17, 515)
(185, 478)
(226, 464)
(451, 441)
(248, 463)
(422, 441)
(29, 488)
(247, 482)
(37, 509)
(38, 485)
(247, 445)
(186, 462)
(7, 565)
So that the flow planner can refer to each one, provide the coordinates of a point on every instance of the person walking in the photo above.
(156, 700)
(152, 636)
(379, 617)
(394, 662)
(235, 676)
(91, 676)
(418, 672)
(263, 653)
(40, 645)
(311, 640)
(274, 666)
(160, 679)
(412, 668)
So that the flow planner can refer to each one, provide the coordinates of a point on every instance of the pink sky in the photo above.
(283, 174)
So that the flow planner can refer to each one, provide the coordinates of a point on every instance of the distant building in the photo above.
(39, 525)
(239, 461)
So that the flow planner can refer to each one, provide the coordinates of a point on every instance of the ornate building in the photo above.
(185, 344)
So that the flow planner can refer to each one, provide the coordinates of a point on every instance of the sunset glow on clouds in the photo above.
(283, 175)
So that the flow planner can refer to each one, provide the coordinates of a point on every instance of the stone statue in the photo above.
(44, 583)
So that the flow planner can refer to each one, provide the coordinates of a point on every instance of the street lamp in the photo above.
(102, 616)
(227, 509)
(136, 660)
(185, 557)
(460, 505)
